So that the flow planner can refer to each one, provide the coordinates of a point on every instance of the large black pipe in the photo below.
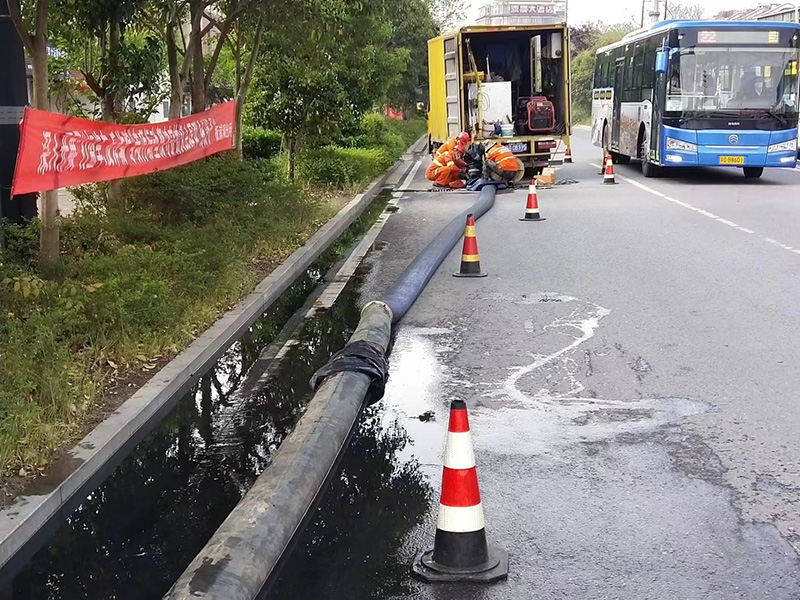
(413, 280)
(243, 555)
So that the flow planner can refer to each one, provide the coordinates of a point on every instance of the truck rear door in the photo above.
(452, 77)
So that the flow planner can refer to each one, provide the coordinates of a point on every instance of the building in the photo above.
(766, 12)
(522, 12)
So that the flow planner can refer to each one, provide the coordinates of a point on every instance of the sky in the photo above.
(615, 11)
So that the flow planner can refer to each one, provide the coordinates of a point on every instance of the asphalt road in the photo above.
(630, 366)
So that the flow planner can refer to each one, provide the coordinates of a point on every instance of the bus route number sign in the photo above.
(725, 38)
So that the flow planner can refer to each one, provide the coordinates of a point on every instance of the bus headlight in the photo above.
(790, 146)
(673, 144)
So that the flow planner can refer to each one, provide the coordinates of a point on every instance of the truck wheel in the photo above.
(753, 172)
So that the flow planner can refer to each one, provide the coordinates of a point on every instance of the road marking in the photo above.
(706, 213)
(409, 178)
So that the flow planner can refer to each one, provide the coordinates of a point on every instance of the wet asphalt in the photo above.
(630, 366)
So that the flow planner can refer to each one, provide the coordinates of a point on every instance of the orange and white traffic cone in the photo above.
(460, 551)
(608, 174)
(532, 209)
(568, 156)
(470, 260)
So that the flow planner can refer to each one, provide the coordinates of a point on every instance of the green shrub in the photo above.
(258, 142)
(343, 167)
(194, 193)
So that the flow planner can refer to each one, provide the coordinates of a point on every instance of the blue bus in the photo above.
(699, 94)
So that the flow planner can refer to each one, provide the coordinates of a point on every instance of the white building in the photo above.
(522, 12)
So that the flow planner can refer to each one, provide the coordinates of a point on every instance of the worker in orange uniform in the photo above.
(445, 170)
(500, 163)
(460, 143)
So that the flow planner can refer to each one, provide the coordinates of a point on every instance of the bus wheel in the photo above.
(649, 169)
(753, 172)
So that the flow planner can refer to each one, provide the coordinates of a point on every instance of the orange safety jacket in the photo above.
(443, 167)
(448, 146)
(502, 157)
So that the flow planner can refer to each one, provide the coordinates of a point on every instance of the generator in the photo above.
(536, 114)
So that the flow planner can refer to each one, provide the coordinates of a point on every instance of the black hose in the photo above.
(402, 295)
(244, 554)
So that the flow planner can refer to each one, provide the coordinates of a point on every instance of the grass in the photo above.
(137, 283)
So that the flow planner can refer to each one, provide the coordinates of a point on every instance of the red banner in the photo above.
(58, 151)
(397, 115)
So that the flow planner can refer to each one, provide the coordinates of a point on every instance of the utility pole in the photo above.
(655, 12)
(13, 98)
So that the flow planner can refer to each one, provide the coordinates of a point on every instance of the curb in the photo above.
(107, 444)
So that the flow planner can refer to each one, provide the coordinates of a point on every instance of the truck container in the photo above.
(508, 83)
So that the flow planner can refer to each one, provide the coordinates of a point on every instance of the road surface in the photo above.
(630, 366)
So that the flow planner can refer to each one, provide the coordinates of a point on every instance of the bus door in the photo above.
(619, 72)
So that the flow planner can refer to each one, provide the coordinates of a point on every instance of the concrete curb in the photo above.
(582, 127)
(105, 446)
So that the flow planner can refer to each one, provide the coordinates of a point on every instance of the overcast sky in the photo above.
(614, 11)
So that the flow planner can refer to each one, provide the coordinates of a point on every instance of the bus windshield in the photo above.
(726, 78)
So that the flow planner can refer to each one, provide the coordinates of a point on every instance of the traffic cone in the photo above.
(460, 551)
(470, 261)
(608, 174)
(532, 210)
(568, 156)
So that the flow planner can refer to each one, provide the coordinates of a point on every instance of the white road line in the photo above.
(705, 213)
(410, 177)
(343, 275)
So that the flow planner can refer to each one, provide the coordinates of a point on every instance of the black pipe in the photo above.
(402, 295)
(244, 554)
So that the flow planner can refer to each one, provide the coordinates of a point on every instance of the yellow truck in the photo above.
(509, 83)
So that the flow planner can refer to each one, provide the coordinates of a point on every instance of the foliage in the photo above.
(304, 92)
(258, 142)
(137, 283)
(342, 167)
(591, 37)
(413, 26)
(447, 13)
(678, 10)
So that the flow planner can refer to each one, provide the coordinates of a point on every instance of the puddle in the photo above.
(136, 533)
(355, 544)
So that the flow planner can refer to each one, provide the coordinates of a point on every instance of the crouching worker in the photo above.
(445, 170)
(500, 163)
(460, 143)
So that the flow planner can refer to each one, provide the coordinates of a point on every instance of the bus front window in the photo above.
(732, 78)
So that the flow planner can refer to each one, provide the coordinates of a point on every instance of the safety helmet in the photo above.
(464, 138)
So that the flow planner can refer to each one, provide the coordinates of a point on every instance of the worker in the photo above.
(445, 170)
(460, 143)
(500, 163)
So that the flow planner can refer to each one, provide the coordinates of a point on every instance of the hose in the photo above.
(402, 295)
(243, 556)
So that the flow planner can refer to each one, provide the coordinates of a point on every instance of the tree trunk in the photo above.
(49, 241)
(243, 83)
(292, 143)
(175, 79)
(198, 73)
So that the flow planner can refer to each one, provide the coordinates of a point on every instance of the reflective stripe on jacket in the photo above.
(502, 157)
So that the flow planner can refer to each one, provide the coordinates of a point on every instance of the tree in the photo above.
(677, 10)
(31, 20)
(120, 57)
(447, 13)
(334, 63)
(413, 26)
(582, 69)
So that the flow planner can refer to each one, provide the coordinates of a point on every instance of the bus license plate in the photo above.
(519, 147)
(731, 160)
